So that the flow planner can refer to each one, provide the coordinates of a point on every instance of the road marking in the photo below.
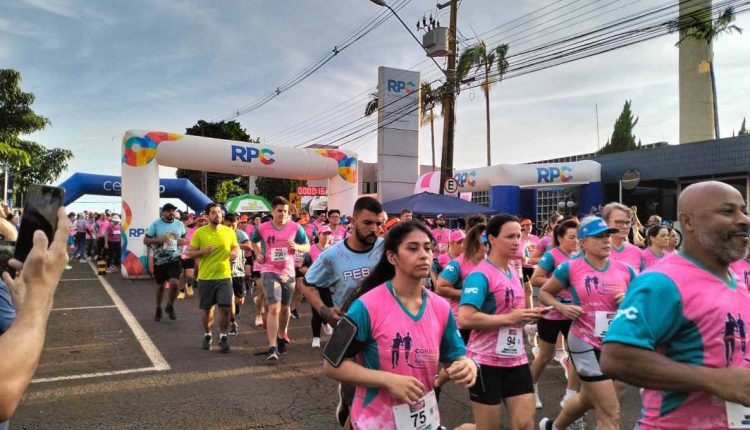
(96, 375)
(80, 279)
(84, 307)
(146, 343)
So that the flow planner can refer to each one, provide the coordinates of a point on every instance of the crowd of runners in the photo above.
(411, 304)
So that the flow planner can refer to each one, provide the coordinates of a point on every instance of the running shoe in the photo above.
(207, 342)
(258, 320)
(224, 344)
(342, 410)
(190, 291)
(316, 342)
(327, 329)
(537, 399)
(272, 354)
(233, 329)
(68, 267)
(82, 260)
(169, 309)
(282, 345)
(295, 314)
(545, 424)
(560, 354)
(157, 317)
(181, 295)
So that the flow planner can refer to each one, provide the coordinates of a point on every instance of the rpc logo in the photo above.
(246, 154)
(549, 174)
(136, 232)
(398, 86)
(466, 178)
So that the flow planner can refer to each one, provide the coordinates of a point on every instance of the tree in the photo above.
(231, 130)
(272, 187)
(227, 189)
(743, 129)
(622, 138)
(699, 26)
(27, 162)
(372, 104)
(483, 61)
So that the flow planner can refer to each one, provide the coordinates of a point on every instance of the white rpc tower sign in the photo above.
(398, 132)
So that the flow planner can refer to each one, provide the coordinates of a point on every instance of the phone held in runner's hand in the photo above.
(39, 213)
(342, 338)
(6, 253)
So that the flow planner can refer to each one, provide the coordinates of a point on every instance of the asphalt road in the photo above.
(110, 367)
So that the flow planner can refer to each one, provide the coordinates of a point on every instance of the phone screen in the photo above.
(342, 337)
(39, 213)
(6, 253)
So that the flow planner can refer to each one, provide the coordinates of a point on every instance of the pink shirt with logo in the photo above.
(741, 269)
(649, 258)
(545, 244)
(113, 232)
(188, 235)
(629, 254)
(550, 260)
(103, 225)
(495, 291)
(455, 272)
(278, 256)
(594, 290)
(442, 236)
(337, 234)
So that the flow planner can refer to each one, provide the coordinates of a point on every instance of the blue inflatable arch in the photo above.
(80, 184)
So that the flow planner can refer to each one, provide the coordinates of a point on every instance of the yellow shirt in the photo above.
(216, 264)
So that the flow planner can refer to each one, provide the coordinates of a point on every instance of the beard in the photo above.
(366, 239)
(720, 245)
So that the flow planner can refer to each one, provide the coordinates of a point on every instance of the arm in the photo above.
(445, 289)
(152, 240)
(536, 256)
(21, 346)
(553, 287)
(404, 388)
(234, 252)
(539, 277)
(472, 318)
(195, 252)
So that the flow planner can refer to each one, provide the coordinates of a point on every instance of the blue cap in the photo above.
(594, 227)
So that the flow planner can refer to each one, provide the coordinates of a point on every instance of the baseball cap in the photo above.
(115, 218)
(593, 227)
(168, 207)
(325, 230)
(440, 216)
(456, 235)
(526, 222)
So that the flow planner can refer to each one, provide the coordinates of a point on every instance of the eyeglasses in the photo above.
(623, 223)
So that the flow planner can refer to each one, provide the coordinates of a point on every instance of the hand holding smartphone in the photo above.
(39, 213)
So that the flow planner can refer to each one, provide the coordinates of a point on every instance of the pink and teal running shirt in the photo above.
(629, 254)
(337, 234)
(550, 260)
(455, 273)
(741, 270)
(594, 290)
(277, 256)
(681, 310)
(650, 258)
(495, 291)
(396, 341)
(442, 236)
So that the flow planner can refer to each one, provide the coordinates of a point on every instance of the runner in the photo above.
(166, 235)
(454, 250)
(338, 232)
(620, 217)
(406, 215)
(324, 240)
(392, 303)
(215, 245)
(238, 272)
(450, 282)
(554, 324)
(494, 309)
(257, 280)
(546, 243)
(658, 240)
(112, 244)
(676, 331)
(441, 235)
(597, 285)
(188, 264)
(275, 243)
(340, 268)
(100, 226)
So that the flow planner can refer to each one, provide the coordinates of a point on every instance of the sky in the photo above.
(100, 68)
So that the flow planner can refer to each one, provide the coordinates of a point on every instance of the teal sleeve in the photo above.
(307, 261)
(319, 273)
(643, 265)
(255, 238)
(451, 272)
(358, 313)
(301, 236)
(183, 230)
(451, 345)
(547, 262)
(151, 230)
(650, 314)
(476, 288)
(435, 266)
(632, 272)
(562, 274)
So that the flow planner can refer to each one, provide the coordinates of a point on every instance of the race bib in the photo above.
(422, 415)
(335, 240)
(602, 322)
(509, 342)
(738, 416)
(171, 245)
(299, 258)
(116, 232)
(278, 254)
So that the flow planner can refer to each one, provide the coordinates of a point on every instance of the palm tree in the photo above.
(483, 61)
(699, 26)
(372, 104)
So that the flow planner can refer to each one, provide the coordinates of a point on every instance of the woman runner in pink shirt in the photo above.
(493, 306)
(316, 322)
(597, 285)
(403, 333)
(658, 239)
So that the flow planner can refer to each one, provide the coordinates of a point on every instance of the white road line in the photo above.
(148, 345)
(80, 279)
(96, 375)
(84, 307)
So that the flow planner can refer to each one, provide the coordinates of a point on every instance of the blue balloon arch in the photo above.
(80, 184)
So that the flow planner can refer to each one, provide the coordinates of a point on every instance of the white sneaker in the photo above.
(327, 329)
(565, 397)
(536, 397)
(560, 354)
(316, 342)
(544, 424)
(258, 320)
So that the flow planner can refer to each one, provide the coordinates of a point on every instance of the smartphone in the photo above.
(342, 338)
(39, 213)
(6, 253)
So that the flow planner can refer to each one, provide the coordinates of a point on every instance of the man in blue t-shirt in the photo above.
(167, 236)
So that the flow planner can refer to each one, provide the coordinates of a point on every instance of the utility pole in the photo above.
(449, 100)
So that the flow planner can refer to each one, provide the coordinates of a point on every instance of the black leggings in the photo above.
(316, 322)
(114, 254)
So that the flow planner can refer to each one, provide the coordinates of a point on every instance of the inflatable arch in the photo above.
(513, 186)
(144, 151)
(80, 184)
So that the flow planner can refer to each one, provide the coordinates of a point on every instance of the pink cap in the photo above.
(456, 235)
(325, 230)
